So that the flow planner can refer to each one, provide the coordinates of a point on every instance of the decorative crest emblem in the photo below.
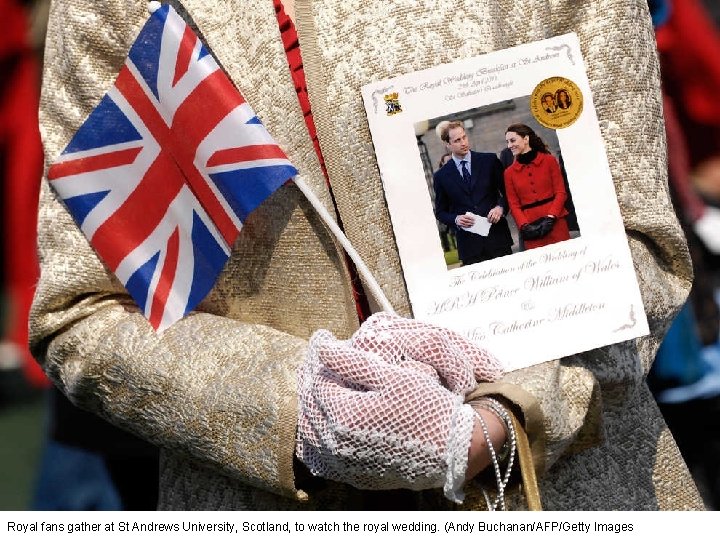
(392, 104)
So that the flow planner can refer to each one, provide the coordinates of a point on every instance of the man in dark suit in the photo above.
(472, 182)
(548, 101)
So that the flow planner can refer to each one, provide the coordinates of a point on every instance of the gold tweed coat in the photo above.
(216, 392)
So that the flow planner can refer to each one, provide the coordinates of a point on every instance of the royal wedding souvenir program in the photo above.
(535, 304)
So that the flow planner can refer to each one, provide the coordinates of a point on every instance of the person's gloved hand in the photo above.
(539, 228)
(459, 363)
(380, 425)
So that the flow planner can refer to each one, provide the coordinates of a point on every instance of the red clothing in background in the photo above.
(21, 167)
(689, 47)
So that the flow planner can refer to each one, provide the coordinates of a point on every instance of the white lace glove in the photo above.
(374, 412)
(459, 363)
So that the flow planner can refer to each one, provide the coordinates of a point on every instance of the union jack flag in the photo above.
(164, 171)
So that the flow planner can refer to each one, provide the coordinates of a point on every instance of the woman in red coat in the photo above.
(535, 188)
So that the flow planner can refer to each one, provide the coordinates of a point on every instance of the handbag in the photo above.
(528, 477)
(538, 228)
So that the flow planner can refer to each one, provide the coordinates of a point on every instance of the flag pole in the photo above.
(364, 271)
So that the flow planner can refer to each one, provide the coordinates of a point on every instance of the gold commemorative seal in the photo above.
(556, 102)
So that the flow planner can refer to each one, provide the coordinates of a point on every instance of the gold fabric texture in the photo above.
(217, 390)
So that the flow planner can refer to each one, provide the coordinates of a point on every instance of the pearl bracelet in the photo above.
(508, 450)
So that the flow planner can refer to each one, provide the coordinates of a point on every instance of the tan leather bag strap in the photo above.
(527, 466)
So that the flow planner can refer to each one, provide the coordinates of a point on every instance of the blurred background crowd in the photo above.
(56, 457)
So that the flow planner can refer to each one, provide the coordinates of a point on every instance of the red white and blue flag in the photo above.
(164, 171)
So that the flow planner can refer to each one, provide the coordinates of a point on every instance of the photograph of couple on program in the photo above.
(497, 182)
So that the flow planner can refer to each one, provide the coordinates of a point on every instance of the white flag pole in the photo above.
(364, 271)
